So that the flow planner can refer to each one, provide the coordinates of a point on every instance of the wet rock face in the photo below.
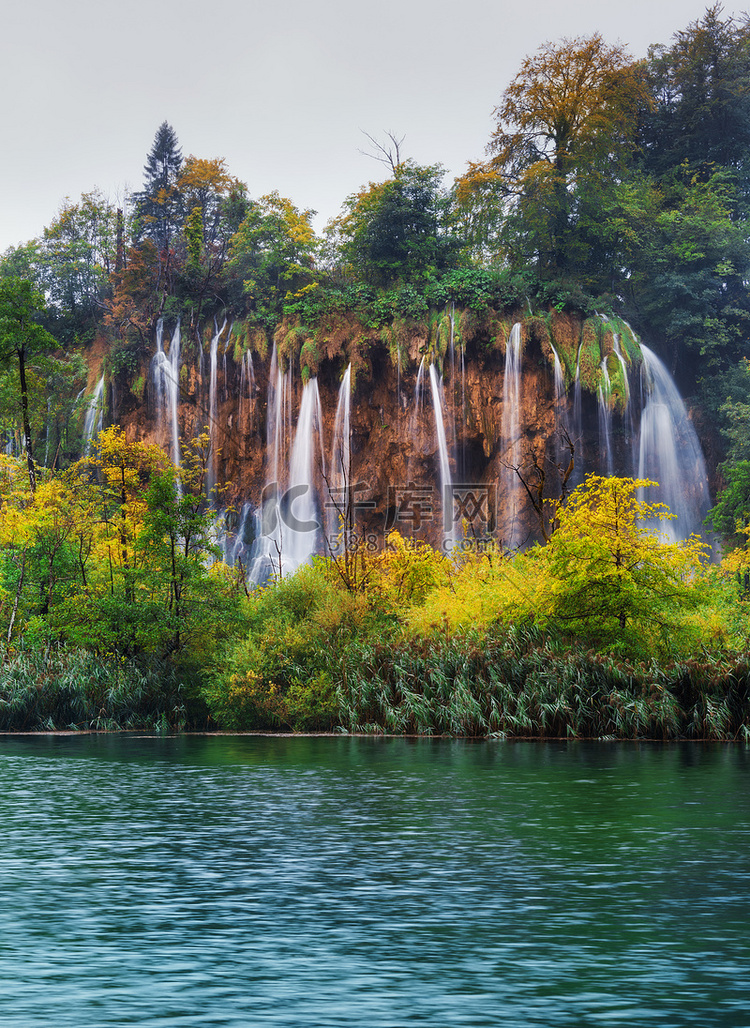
(396, 479)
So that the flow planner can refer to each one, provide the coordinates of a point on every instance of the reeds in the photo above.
(517, 683)
(76, 689)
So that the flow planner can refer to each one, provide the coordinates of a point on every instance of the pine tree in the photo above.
(158, 206)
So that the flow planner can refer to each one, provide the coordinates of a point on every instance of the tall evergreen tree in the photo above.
(701, 89)
(159, 205)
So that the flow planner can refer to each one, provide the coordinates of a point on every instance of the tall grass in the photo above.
(76, 689)
(519, 683)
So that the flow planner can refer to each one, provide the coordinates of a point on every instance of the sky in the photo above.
(284, 92)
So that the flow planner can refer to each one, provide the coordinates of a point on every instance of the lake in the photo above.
(200, 880)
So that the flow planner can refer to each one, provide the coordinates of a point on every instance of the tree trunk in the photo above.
(25, 415)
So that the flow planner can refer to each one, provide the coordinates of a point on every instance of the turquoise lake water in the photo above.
(200, 881)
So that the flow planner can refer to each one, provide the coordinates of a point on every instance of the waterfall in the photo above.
(511, 438)
(578, 422)
(339, 481)
(213, 410)
(418, 389)
(561, 420)
(398, 387)
(158, 374)
(628, 416)
(278, 422)
(452, 352)
(165, 375)
(300, 507)
(446, 482)
(605, 418)
(462, 468)
(94, 419)
(288, 520)
(247, 389)
(173, 389)
(669, 452)
(242, 543)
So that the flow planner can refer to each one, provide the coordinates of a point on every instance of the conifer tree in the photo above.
(158, 206)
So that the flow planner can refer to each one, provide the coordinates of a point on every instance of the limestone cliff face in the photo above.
(395, 451)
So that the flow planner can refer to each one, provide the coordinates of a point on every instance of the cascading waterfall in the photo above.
(561, 411)
(462, 466)
(165, 375)
(511, 438)
(398, 387)
(289, 520)
(418, 389)
(577, 432)
(94, 419)
(605, 417)
(300, 507)
(213, 408)
(628, 415)
(247, 388)
(446, 481)
(452, 353)
(339, 481)
(669, 452)
(287, 517)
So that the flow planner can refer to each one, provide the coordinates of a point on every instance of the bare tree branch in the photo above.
(388, 153)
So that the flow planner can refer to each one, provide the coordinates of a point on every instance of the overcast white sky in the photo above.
(280, 90)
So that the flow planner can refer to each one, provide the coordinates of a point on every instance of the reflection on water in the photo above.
(326, 882)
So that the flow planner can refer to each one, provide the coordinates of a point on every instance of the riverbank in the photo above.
(514, 685)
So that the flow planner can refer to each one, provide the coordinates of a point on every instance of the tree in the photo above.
(701, 92)
(397, 230)
(159, 205)
(22, 338)
(273, 253)
(730, 515)
(612, 579)
(75, 258)
(563, 130)
(216, 204)
(684, 259)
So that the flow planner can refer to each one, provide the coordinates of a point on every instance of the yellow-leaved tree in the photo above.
(612, 580)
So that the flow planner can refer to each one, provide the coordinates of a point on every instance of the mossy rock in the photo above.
(498, 332)
(443, 335)
(590, 356)
(469, 324)
(309, 359)
(257, 340)
(617, 397)
(536, 329)
(629, 346)
(566, 337)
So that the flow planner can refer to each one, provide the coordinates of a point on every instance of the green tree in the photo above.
(730, 515)
(22, 340)
(159, 206)
(75, 258)
(272, 254)
(701, 99)
(216, 204)
(398, 231)
(684, 259)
